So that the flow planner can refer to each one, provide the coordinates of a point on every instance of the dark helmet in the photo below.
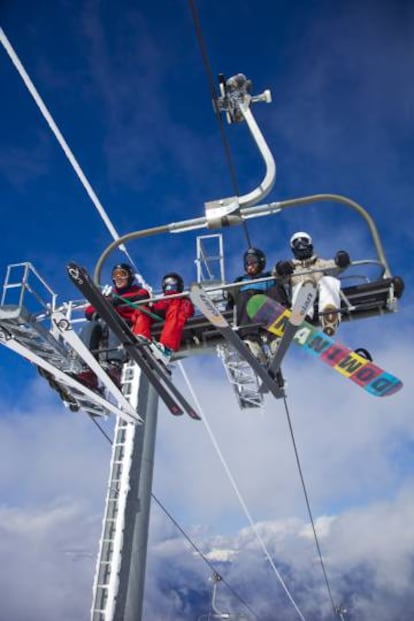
(172, 282)
(125, 267)
(254, 255)
(301, 245)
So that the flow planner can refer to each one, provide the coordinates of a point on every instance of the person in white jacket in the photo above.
(307, 265)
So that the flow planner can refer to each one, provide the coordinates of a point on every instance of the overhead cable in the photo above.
(62, 142)
(214, 97)
(312, 521)
(239, 495)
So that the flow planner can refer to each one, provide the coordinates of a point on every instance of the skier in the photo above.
(321, 271)
(124, 293)
(174, 311)
(254, 261)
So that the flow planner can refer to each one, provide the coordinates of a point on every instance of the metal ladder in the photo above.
(106, 582)
(242, 377)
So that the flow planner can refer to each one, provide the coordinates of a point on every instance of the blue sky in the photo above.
(126, 85)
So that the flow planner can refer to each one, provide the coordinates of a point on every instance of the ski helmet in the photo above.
(301, 245)
(254, 255)
(172, 282)
(128, 272)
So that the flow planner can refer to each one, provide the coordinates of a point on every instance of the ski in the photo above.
(73, 392)
(137, 349)
(72, 339)
(200, 299)
(305, 298)
(342, 359)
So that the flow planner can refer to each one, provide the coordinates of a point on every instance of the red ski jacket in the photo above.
(134, 293)
(175, 312)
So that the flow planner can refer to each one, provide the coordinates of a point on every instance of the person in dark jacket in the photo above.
(254, 261)
(124, 293)
(175, 313)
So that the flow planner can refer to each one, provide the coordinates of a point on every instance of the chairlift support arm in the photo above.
(235, 101)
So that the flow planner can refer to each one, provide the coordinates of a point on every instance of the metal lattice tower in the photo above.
(211, 271)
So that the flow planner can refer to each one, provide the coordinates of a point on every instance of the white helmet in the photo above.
(299, 234)
(301, 245)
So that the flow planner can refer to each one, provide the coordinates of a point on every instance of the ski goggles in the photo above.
(170, 284)
(300, 243)
(120, 273)
(251, 261)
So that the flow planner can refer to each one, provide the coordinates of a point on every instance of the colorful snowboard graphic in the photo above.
(366, 374)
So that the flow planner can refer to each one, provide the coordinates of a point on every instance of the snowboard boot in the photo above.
(329, 320)
(161, 352)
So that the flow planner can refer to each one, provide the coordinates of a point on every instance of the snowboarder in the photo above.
(254, 261)
(174, 311)
(321, 271)
(124, 293)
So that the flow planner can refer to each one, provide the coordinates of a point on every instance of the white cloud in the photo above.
(48, 557)
(354, 451)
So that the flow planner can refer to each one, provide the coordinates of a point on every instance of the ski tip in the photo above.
(74, 270)
(176, 410)
(200, 298)
(72, 265)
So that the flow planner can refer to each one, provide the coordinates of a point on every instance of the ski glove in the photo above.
(342, 259)
(284, 268)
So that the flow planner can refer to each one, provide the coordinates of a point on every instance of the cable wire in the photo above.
(302, 479)
(205, 559)
(238, 493)
(64, 145)
(214, 97)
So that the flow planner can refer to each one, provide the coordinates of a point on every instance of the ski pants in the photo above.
(93, 334)
(175, 312)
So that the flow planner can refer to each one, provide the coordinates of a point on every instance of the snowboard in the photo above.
(369, 376)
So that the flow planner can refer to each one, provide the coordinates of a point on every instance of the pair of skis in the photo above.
(76, 395)
(137, 349)
(272, 380)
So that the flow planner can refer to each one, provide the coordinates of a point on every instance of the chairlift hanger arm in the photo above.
(235, 101)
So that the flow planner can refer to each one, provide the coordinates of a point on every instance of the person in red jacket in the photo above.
(124, 294)
(175, 311)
